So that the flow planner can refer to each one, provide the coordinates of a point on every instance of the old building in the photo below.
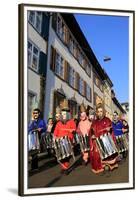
(116, 106)
(125, 106)
(107, 96)
(38, 23)
(61, 64)
(69, 66)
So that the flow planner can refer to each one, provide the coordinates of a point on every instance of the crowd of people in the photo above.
(102, 143)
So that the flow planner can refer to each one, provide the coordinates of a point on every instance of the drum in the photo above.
(76, 139)
(106, 146)
(33, 141)
(84, 142)
(46, 141)
(49, 140)
(122, 144)
(63, 147)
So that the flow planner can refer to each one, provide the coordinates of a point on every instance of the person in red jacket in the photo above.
(99, 127)
(65, 127)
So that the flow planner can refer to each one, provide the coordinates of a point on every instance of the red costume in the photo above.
(65, 129)
(99, 128)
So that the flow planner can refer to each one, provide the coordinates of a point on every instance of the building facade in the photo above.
(38, 23)
(62, 65)
(116, 106)
(69, 69)
(107, 95)
(125, 106)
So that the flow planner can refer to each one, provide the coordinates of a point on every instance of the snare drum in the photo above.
(106, 146)
(84, 142)
(122, 144)
(63, 147)
(33, 141)
(76, 139)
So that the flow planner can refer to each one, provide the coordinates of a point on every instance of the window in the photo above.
(33, 56)
(81, 86)
(88, 92)
(59, 65)
(96, 80)
(35, 18)
(71, 76)
(88, 69)
(61, 28)
(71, 44)
(80, 57)
(75, 49)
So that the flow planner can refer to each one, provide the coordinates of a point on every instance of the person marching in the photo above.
(119, 130)
(83, 130)
(36, 125)
(99, 127)
(65, 127)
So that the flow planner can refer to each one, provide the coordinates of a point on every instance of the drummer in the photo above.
(118, 129)
(83, 129)
(36, 124)
(99, 127)
(65, 127)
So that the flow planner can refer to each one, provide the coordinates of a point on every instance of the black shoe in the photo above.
(66, 172)
(84, 163)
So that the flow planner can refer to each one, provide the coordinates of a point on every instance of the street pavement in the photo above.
(49, 175)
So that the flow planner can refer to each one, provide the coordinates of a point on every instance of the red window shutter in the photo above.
(65, 70)
(53, 58)
(76, 81)
(84, 88)
(66, 35)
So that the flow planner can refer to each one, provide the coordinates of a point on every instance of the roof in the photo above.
(79, 36)
(118, 104)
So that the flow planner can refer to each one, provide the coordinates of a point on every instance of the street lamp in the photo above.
(106, 58)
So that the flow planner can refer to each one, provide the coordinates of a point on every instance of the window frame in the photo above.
(88, 92)
(61, 66)
(32, 55)
(71, 76)
(35, 20)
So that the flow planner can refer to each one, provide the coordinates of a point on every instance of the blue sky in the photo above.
(108, 36)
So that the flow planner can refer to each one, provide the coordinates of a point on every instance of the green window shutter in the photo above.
(42, 64)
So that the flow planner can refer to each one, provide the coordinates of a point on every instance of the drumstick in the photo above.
(67, 129)
(104, 129)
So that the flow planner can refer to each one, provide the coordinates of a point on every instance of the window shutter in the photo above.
(53, 58)
(84, 89)
(90, 94)
(54, 21)
(45, 26)
(84, 64)
(66, 36)
(76, 81)
(42, 63)
(66, 71)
